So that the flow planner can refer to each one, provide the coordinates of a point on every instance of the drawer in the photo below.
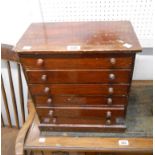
(89, 113)
(81, 121)
(79, 100)
(78, 89)
(78, 62)
(81, 112)
(79, 76)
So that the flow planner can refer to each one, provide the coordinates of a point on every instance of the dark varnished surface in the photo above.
(59, 77)
(60, 121)
(72, 101)
(99, 37)
(139, 117)
(80, 89)
(91, 112)
(81, 114)
(79, 76)
(123, 61)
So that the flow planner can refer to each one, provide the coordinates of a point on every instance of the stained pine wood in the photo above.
(8, 140)
(8, 53)
(19, 147)
(85, 144)
(8, 130)
(99, 37)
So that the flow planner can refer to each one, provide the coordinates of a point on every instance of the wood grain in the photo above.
(19, 148)
(78, 89)
(79, 76)
(8, 53)
(80, 115)
(75, 100)
(93, 144)
(97, 37)
(81, 112)
(77, 61)
(84, 144)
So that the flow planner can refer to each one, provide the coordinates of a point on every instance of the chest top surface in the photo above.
(72, 37)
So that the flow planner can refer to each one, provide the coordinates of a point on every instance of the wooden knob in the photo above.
(69, 99)
(40, 62)
(109, 101)
(50, 113)
(46, 90)
(111, 76)
(112, 61)
(44, 77)
(110, 90)
(46, 120)
(54, 120)
(108, 114)
(49, 100)
(108, 121)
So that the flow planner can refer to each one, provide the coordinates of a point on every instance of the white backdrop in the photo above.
(18, 14)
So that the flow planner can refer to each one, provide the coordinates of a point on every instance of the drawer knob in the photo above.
(54, 120)
(108, 121)
(113, 61)
(50, 113)
(49, 100)
(69, 99)
(111, 90)
(44, 77)
(108, 115)
(111, 76)
(40, 62)
(46, 90)
(109, 101)
(46, 120)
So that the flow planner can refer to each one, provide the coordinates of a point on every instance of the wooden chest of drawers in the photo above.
(79, 73)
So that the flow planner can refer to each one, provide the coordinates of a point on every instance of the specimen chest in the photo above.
(79, 73)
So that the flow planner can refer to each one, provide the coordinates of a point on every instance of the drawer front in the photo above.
(81, 112)
(73, 121)
(79, 121)
(83, 62)
(104, 114)
(78, 89)
(68, 101)
(79, 76)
